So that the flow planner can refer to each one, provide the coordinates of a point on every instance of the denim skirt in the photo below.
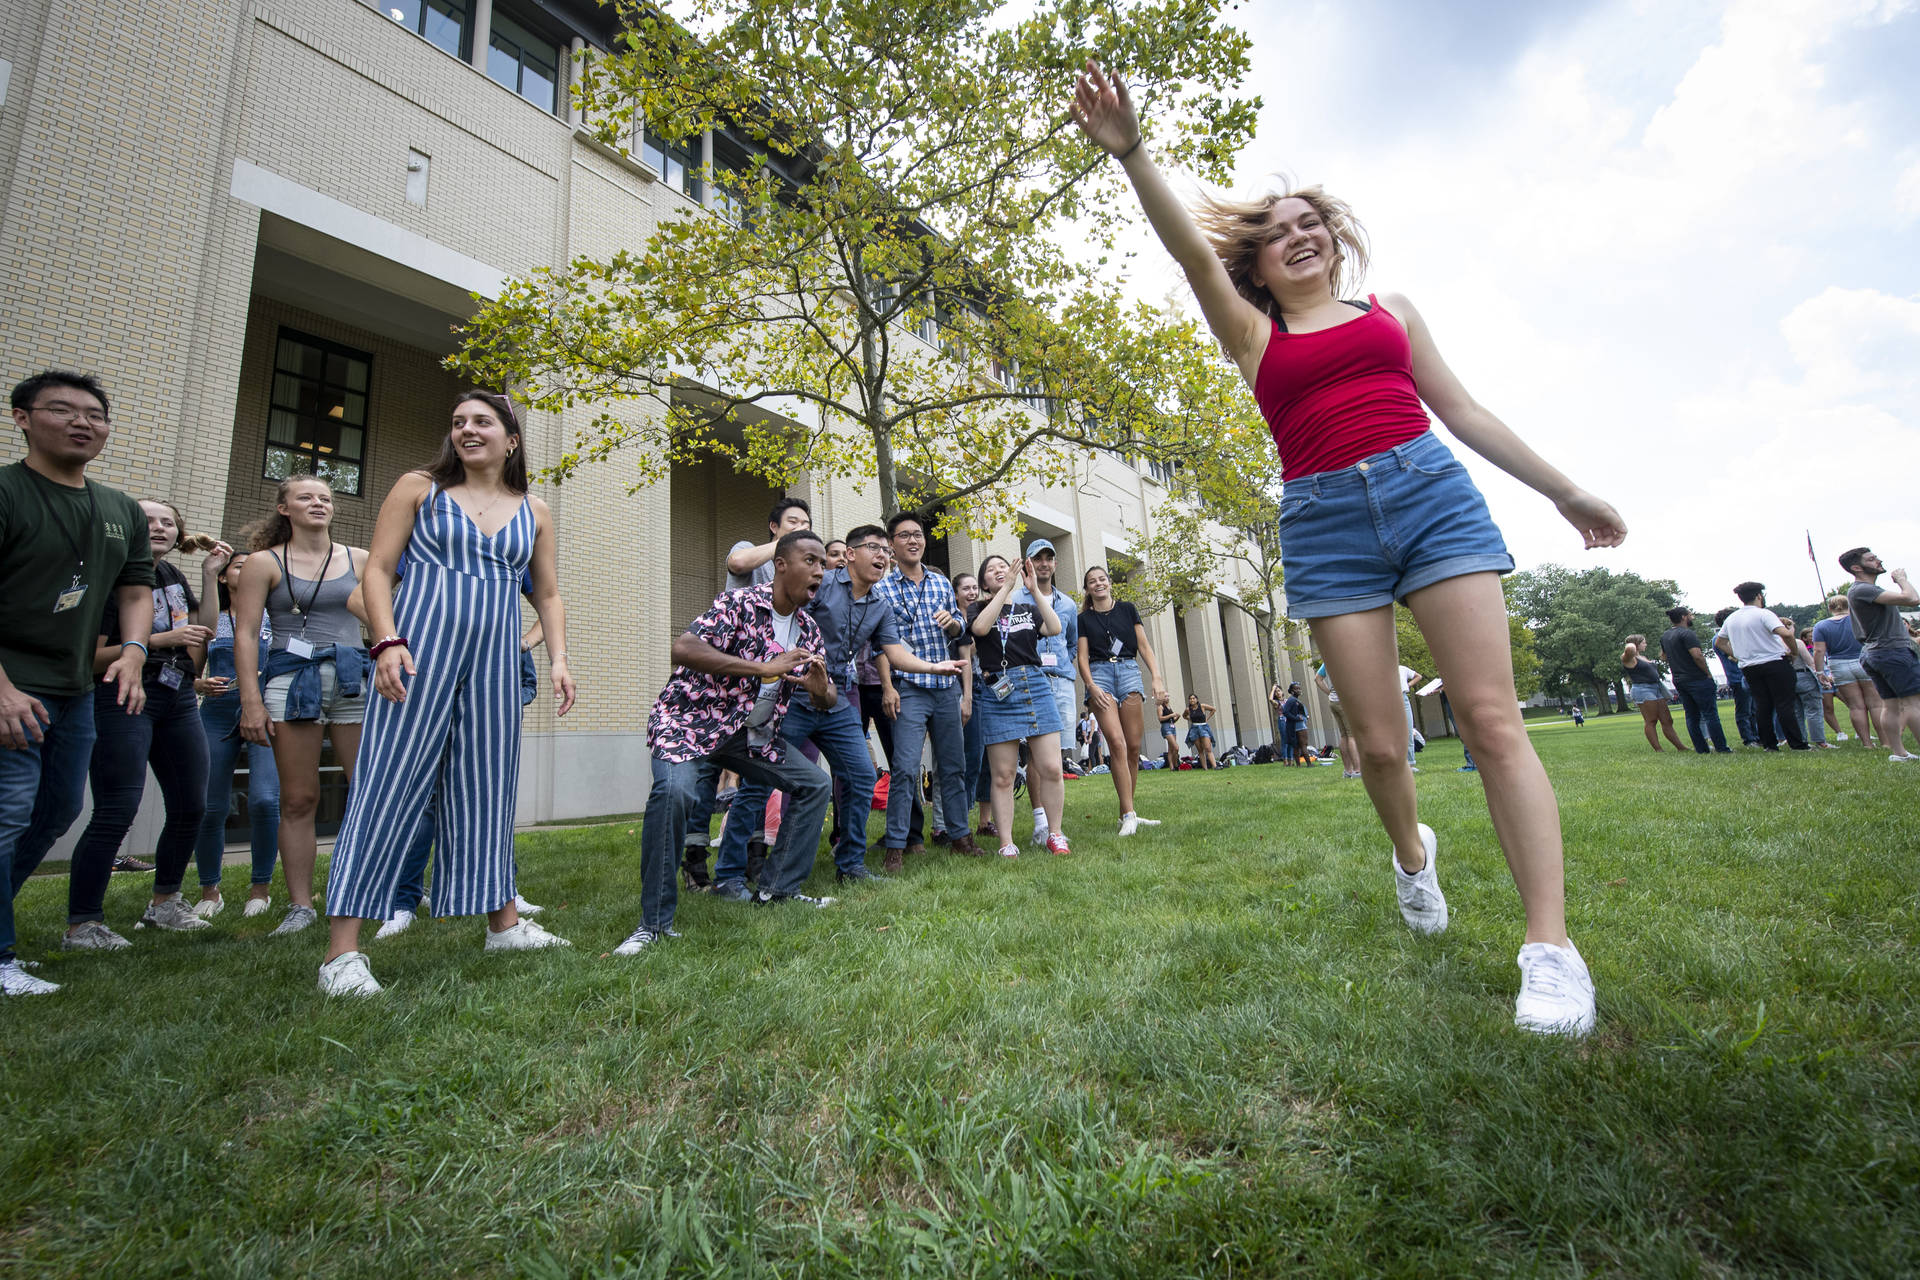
(1118, 676)
(1375, 532)
(1028, 710)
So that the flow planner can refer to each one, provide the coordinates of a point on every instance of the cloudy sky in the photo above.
(1675, 245)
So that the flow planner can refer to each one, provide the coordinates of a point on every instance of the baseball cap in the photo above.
(1038, 545)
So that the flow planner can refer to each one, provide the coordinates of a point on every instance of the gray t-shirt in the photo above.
(737, 580)
(1879, 626)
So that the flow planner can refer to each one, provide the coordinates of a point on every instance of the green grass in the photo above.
(1209, 1050)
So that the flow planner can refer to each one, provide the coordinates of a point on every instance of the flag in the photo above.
(1810, 555)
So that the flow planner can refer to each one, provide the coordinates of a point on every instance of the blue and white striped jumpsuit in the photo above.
(456, 739)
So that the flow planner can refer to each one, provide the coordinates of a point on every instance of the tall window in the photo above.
(317, 416)
(677, 163)
(443, 22)
(524, 62)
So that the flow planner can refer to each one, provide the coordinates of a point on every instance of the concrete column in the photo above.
(482, 33)
(1249, 676)
(576, 64)
(706, 164)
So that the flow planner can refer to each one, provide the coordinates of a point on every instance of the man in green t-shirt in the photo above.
(68, 548)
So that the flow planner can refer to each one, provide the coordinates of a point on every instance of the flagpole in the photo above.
(1820, 599)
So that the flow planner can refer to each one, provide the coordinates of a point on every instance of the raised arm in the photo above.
(1104, 112)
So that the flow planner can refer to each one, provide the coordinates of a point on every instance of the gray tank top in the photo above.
(298, 610)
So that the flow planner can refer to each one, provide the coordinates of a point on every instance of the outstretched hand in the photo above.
(1599, 524)
(1103, 110)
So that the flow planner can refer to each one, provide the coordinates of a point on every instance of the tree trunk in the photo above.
(883, 469)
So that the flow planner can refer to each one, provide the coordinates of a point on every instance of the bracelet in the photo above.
(144, 651)
(1122, 157)
(390, 642)
(556, 657)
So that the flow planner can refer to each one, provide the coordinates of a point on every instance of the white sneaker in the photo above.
(1009, 850)
(523, 936)
(297, 919)
(1839, 737)
(1146, 822)
(208, 908)
(1556, 991)
(524, 907)
(347, 975)
(1422, 905)
(637, 941)
(16, 981)
(1129, 823)
(395, 924)
(256, 907)
(93, 936)
(173, 915)
(1902, 759)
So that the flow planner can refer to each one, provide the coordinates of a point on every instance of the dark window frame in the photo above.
(313, 455)
(534, 30)
(465, 52)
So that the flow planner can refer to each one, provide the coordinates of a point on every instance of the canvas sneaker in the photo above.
(93, 936)
(637, 941)
(733, 891)
(524, 935)
(16, 981)
(524, 907)
(1902, 759)
(1422, 905)
(1556, 991)
(1057, 845)
(397, 923)
(297, 919)
(256, 907)
(173, 915)
(1009, 851)
(347, 975)
(208, 908)
(1129, 823)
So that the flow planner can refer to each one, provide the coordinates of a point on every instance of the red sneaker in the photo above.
(1057, 845)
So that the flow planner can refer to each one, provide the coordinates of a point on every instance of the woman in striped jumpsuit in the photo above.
(446, 729)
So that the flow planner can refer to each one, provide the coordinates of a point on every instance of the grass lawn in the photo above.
(1212, 1049)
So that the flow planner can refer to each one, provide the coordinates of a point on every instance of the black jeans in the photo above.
(1771, 686)
(169, 737)
(1701, 699)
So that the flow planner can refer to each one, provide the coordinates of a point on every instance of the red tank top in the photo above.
(1335, 396)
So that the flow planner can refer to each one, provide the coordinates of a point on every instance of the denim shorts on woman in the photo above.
(1118, 676)
(1028, 710)
(1848, 671)
(1382, 529)
(1195, 732)
(1641, 693)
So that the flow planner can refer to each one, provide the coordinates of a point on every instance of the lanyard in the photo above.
(287, 581)
(93, 518)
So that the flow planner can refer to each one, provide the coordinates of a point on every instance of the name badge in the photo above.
(171, 676)
(69, 599)
(1114, 644)
(299, 648)
(1049, 660)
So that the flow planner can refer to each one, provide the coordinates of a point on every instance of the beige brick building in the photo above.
(260, 220)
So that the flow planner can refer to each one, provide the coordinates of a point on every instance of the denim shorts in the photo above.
(335, 707)
(1895, 670)
(1170, 730)
(1120, 677)
(1028, 710)
(1640, 693)
(1382, 529)
(1847, 671)
(1198, 731)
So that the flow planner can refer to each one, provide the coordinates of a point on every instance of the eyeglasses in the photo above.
(911, 537)
(870, 546)
(68, 413)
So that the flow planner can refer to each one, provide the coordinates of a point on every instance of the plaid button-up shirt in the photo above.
(913, 608)
(698, 710)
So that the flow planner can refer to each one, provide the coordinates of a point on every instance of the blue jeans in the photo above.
(1806, 687)
(218, 717)
(42, 786)
(1701, 699)
(680, 787)
(1408, 701)
(925, 713)
(1743, 712)
(838, 735)
(166, 737)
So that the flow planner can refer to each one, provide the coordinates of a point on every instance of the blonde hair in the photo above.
(1239, 229)
(182, 540)
(1638, 641)
(275, 529)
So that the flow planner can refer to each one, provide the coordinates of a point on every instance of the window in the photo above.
(524, 62)
(677, 163)
(317, 414)
(444, 23)
(733, 173)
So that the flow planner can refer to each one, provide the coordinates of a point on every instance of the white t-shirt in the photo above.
(1750, 631)
(1406, 674)
(783, 626)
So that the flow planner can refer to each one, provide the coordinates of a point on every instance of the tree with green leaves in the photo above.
(882, 290)
(1581, 619)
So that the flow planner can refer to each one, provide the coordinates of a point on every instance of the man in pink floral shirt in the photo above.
(737, 667)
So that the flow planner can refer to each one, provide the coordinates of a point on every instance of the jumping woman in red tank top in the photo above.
(1375, 509)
